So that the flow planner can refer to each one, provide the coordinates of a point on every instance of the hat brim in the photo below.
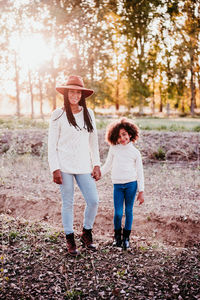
(86, 92)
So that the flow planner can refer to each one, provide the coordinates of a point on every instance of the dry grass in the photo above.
(172, 187)
(164, 259)
(172, 192)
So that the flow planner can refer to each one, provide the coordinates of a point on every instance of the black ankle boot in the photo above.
(117, 238)
(126, 234)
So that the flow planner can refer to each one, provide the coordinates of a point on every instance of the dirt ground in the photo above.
(170, 215)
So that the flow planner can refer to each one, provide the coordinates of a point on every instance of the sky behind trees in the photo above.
(132, 53)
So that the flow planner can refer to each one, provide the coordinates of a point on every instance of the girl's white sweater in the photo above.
(126, 164)
(72, 150)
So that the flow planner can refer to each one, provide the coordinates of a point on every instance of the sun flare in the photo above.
(33, 51)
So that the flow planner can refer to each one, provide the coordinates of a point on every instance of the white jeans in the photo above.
(88, 188)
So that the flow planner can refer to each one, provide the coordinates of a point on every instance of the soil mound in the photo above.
(170, 214)
(154, 145)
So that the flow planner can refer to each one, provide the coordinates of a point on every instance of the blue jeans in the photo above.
(124, 193)
(88, 188)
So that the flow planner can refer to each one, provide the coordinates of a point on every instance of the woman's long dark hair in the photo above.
(70, 116)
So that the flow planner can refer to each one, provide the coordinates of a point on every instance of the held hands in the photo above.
(140, 197)
(96, 173)
(57, 177)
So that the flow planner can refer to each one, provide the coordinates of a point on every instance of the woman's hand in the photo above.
(57, 177)
(96, 173)
(140, 198)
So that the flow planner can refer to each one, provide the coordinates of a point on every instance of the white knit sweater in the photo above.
(126, 164)
(69, 149)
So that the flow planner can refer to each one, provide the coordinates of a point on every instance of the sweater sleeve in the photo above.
(140, 173)
(93, 140)
(53, 137)
(108, 164)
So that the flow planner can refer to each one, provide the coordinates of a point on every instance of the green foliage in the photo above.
(102, 123)
(22, 123)
(121, 273)
(138, 92)
(53, 237)
(159, 154)
(73, 294)
(143, 248)
(137, 60)
(13, 235)
(197, 128)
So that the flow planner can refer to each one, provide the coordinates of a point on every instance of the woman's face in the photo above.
(124, 137)
(74, 96)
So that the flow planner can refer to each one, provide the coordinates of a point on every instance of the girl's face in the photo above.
(124, 137)
(74, 96)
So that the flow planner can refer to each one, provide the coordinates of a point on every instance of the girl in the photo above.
(72, 145)
(127, 175)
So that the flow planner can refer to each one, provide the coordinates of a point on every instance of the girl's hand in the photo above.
(57, 177)
(140, 197)
(96, 173)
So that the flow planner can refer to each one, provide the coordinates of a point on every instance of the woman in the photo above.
(72, 151)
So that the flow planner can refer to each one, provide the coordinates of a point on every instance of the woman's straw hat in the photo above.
(74, 83)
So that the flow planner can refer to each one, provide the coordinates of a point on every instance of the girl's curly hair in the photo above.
(112, 130)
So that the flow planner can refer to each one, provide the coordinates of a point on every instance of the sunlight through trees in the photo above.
(132, 53)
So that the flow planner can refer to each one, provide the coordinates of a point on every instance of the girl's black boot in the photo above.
(117, 238)
(126, 235)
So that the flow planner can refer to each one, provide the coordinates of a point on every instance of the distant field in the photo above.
(178, 124)
(163, 124)
(22, 123)
(169, 124)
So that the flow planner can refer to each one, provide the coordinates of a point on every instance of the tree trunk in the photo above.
(54, 93)
(117, 83)
(53, 73)
(91, 63)
(141, 106)
(168, 109)
(153, 99)
(198, 89)
(183, 105)
(161, 102)
(31, 93)
(192, 87)
(17, 87)
(117, 97)
(41, 98)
